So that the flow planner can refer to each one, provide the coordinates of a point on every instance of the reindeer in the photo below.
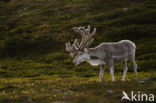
(104, 54)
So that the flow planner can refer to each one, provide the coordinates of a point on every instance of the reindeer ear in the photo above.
(86, 50)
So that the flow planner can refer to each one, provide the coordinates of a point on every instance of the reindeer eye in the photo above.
(93, 57)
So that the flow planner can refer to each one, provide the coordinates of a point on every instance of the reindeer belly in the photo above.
(118, 58)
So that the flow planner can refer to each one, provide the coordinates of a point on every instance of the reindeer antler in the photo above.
(85, 42)
(86, 36)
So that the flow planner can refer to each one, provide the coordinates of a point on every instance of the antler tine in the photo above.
(81, 30)
(75, 45)
(88, 29)
(82, 43)
(78, 29)
(67, 46)
(89, 43)
(94, 31)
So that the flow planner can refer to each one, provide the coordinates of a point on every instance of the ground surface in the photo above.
(35, 68)
(71, 90)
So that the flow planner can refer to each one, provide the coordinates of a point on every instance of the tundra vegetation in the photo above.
(36, 68)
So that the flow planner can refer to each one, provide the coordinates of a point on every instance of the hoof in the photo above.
(122, 79)
(100, 81)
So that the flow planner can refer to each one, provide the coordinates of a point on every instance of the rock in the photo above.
(68, 94)
(58, 102)
(146, 79)
(141, 81)
(110, 91)
(125, 9)
(59, 91)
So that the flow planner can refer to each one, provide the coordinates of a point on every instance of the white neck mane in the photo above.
(95, 62)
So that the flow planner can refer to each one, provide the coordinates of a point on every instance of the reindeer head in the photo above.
(79, 48)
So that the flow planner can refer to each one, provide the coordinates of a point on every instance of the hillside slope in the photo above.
(37, 30)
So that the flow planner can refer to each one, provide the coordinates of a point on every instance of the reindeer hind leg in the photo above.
(132, 59)
(125, 70)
